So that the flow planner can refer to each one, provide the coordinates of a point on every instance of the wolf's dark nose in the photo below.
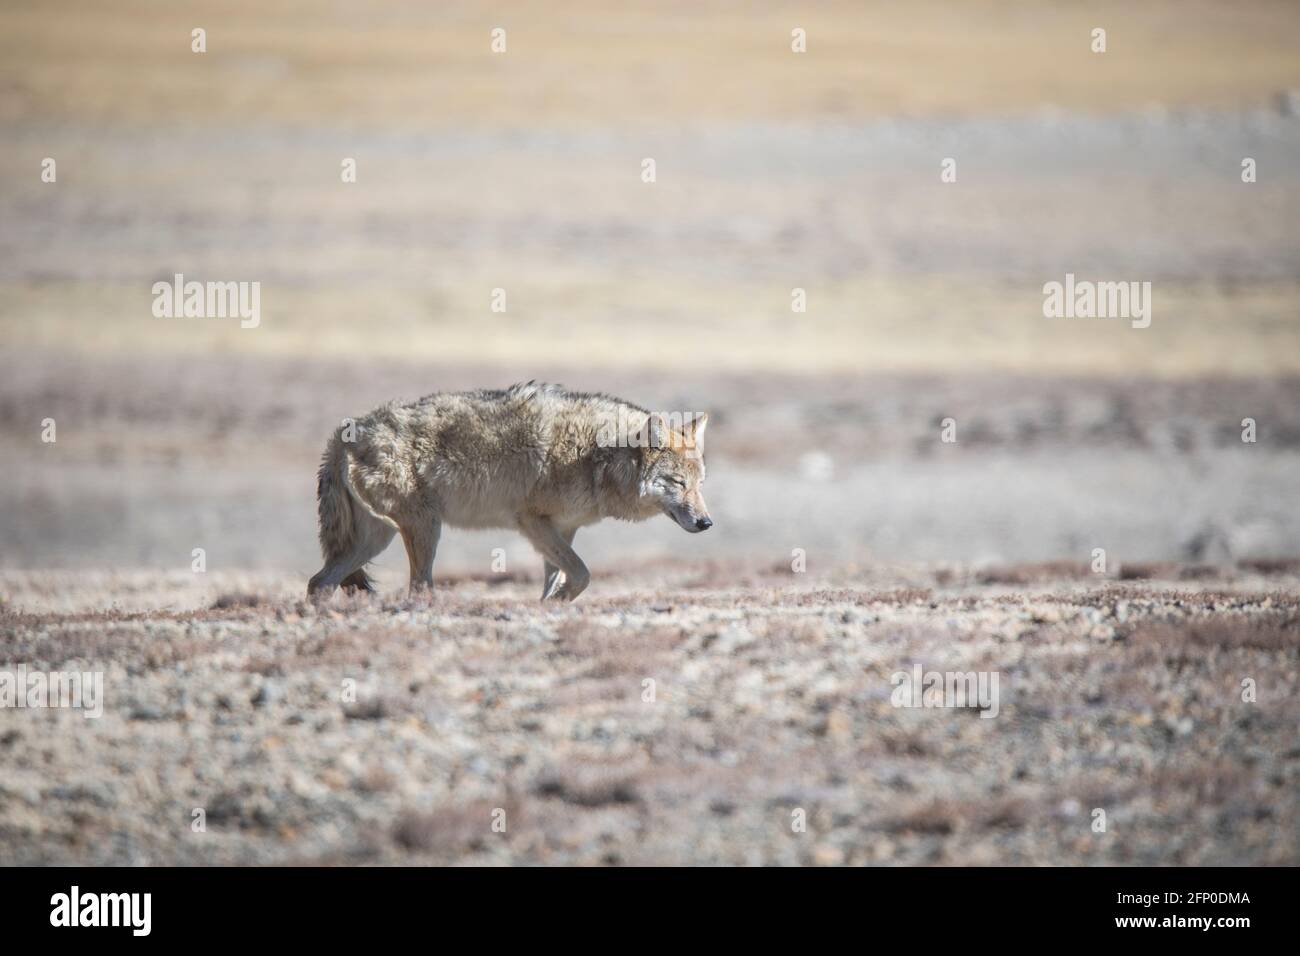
(703, 524)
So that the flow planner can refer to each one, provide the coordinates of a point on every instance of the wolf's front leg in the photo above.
(552, 577)
(566, 575)
(421, 540)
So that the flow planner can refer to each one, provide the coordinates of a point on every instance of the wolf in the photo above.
(536, 458)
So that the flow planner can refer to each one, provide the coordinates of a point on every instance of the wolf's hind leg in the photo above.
(346, 570)
(552, 577)
(421, 540)
(358, 580)
(553, 546)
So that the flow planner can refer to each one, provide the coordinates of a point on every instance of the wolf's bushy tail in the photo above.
(339, 521)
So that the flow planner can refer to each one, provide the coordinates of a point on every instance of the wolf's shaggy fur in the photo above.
(533, 457)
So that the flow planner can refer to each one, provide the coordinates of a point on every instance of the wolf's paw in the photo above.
(574, 586)
(564, 588)
(565, 592)
(420, 593)
(552, 585)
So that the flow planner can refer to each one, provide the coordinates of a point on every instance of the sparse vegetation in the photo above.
(1122, 696)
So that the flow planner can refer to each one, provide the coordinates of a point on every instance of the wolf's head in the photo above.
(673, 470)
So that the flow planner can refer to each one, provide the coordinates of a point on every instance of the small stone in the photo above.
(268, 693)
(826, 855)
(838, 725)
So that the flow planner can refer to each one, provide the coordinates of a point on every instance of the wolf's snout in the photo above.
(703, 524)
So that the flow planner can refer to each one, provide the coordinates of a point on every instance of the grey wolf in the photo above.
(536, 458)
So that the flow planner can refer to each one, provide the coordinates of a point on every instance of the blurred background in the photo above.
(775, 171)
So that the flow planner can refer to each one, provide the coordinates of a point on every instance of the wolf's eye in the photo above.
(675, 482)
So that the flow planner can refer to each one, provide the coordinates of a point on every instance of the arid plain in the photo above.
(851, 542)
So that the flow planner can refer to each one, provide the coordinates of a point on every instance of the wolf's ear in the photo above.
(697, 432)
(655, 432)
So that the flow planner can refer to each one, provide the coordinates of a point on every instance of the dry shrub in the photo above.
(945, 817)
(124, 645)
(1253, 631)
(812, 630)
(904, 742)
(818, 598)
(238, 599)
(1213, 783)
(12, 617)
(377, 707)
(266, 666)
(938, 817)
(1170, 571)
(494, 579)
(1008, 813)
(376, 779)
(583, 637)
(584, 692)
(1091, 790)
(857, 597)
(615, 653)
(1023, 574)
(1270, 566)
(469, 607)
(596, 786)
(898, 596)
(452, 828)
(715, 574)
(1147, 570)
(1203, 572)
(333, 649)
(1217, 599)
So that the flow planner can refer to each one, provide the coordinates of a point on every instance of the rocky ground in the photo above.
(675, 714)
